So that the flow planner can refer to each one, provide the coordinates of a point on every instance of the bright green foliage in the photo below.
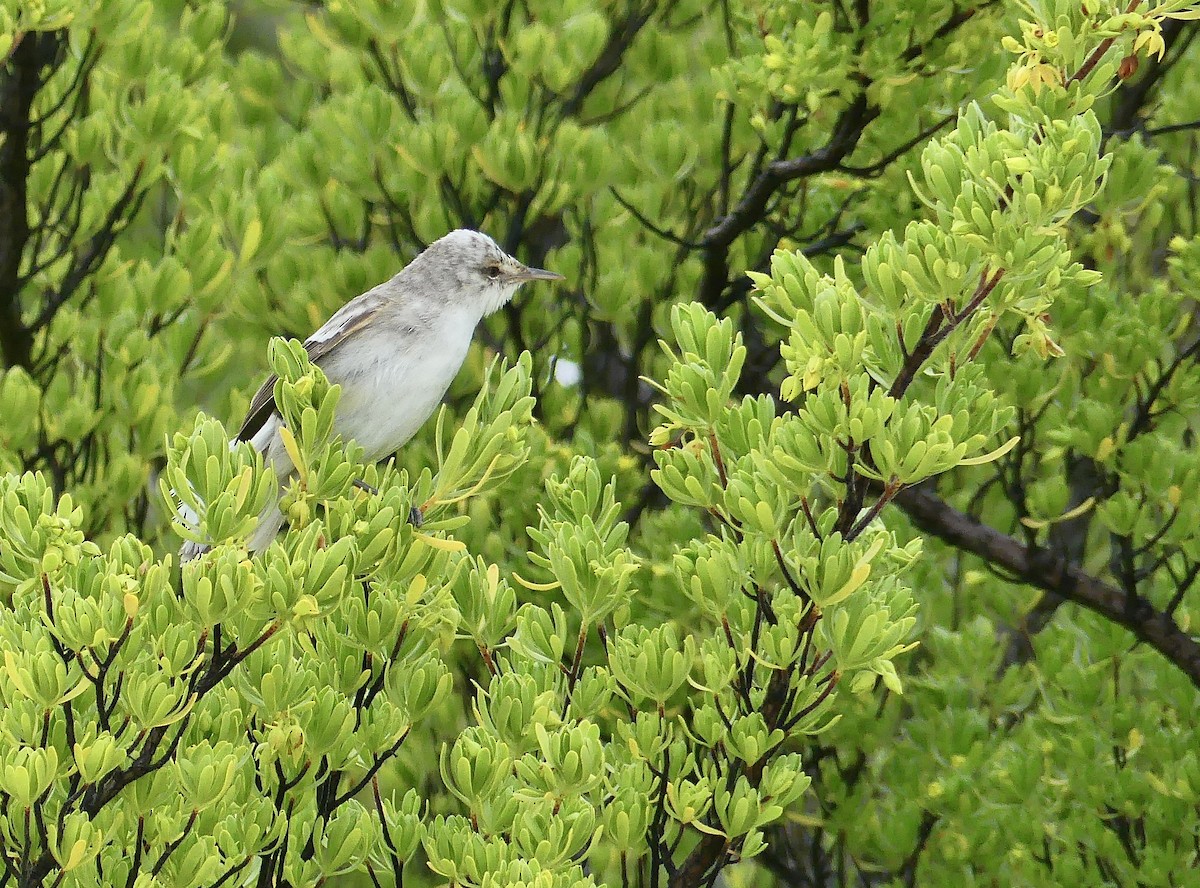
(835, 262)
(232, 687)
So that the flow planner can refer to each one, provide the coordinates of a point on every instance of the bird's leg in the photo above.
(415, 516)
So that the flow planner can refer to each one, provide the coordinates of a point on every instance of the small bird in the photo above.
(394, 350)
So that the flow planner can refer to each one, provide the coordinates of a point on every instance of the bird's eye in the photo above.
(492, 271)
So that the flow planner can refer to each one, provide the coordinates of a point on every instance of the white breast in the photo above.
(393, 380)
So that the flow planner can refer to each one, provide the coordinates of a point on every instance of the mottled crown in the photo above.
(464, 267)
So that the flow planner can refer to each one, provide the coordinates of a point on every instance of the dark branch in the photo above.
(20, 80)
(939, 327)
(119, 215)
(1050, 572)
(1131, 98)
(752, 207)
(1098, 53)
(748, 212)
(609, 61)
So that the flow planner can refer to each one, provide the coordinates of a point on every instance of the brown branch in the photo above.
(717, 460)
(644, 221)
(1050, 572)
(1098, 53)
(711, 849)
(889, 492)
(936, 332)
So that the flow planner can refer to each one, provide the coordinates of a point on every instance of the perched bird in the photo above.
(394, 350)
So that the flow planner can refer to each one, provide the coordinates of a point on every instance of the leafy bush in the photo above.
(901, 298)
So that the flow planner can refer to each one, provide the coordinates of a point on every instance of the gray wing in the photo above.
(349, 319)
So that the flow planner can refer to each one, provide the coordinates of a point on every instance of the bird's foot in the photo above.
(415, 516)
(363, 485)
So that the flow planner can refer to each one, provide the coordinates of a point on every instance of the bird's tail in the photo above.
(269, 524)
(187, 515)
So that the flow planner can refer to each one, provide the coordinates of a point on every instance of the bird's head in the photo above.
(472, 267)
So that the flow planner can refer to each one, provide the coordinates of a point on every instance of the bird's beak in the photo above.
(535, 274)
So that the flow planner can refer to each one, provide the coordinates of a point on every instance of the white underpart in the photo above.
(405, 341)
(391, 382)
